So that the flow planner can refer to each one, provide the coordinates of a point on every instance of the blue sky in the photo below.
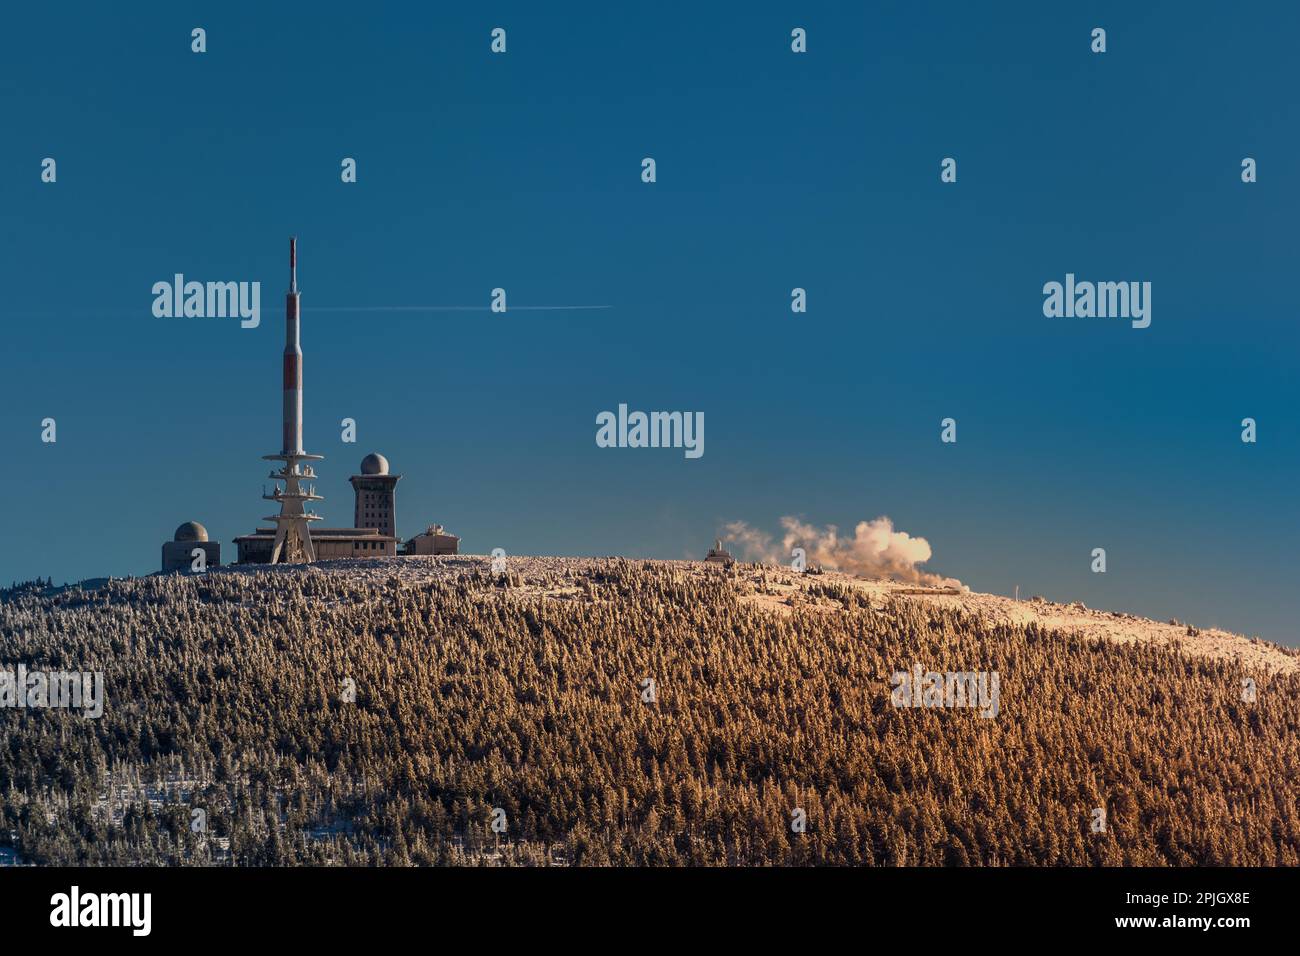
(775, 170)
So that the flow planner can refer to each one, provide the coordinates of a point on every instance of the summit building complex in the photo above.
(289, 538)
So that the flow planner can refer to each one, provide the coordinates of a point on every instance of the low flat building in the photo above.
(178, 554)
(719, 555)
(330, 543)
(433, 541)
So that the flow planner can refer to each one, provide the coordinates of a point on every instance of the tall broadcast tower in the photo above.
(293, 543)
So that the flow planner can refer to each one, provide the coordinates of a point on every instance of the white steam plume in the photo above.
(875, 550)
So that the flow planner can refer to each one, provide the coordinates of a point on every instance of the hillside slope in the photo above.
(230, 694)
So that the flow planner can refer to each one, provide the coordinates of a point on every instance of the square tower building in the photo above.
(376, 492)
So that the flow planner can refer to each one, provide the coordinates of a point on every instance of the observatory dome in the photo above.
(191, 531)
(374, 464)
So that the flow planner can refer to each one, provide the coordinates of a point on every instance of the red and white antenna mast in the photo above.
(293, 542)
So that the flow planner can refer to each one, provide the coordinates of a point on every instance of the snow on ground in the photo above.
(1109, 625)
(781, 590)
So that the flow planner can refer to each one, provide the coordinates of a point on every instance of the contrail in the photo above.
(452, 308)
(97, 311)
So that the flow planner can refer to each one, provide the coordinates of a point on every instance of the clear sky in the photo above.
(775, 170)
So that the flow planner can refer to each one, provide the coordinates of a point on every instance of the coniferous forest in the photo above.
(389, 715)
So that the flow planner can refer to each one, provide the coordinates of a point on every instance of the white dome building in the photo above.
(190, 550)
